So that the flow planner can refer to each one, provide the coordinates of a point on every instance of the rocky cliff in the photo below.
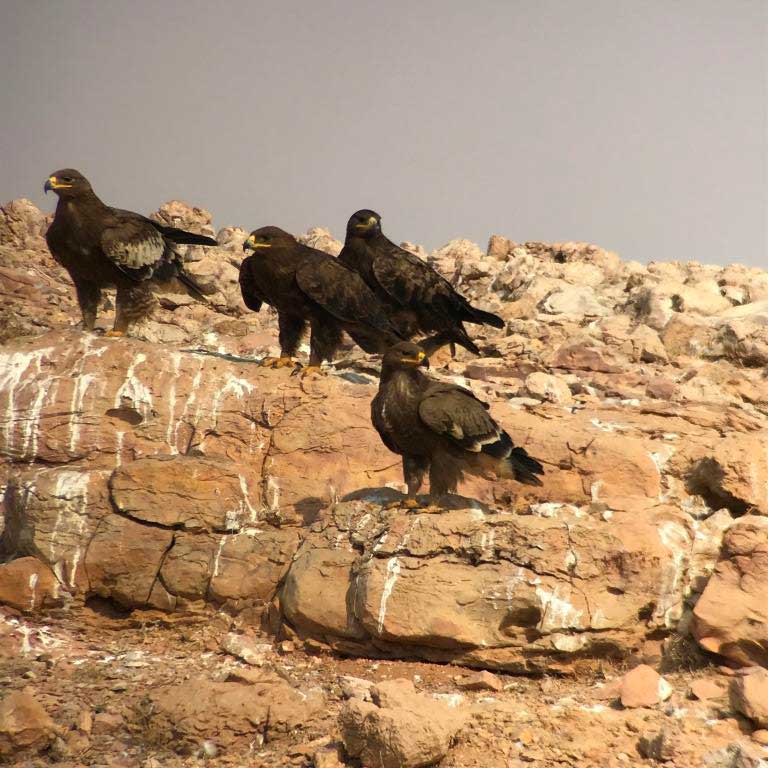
(170, 472)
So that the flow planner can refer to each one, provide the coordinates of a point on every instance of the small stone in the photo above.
(705, 689)
(106, 722)
(609, 691)
(209, 749)
(119, 687)
(480, 681)
(244, 649)
(287, 646)
(327, 757)
(657, 747)
(355, 687)
(85, 721)
(314, 646)
(643, 687)
(548, 387)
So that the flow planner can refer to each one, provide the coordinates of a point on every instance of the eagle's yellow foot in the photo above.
(432, 509)
(404, 504)
(310, 370)
(277, 362)
(115, 334)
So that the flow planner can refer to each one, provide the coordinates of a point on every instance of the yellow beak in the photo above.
(54, 183)
(367, 224)
(251, 245)
(415, 360)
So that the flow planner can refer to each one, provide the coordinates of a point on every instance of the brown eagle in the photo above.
(305, 286)
(101, 246)
(441, 428)
(421, 301)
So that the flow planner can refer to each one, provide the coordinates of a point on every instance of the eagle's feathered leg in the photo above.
(323, 343)
(445, 474)
(133, 303)
(414, 470)
(88, 297)
(291, 330)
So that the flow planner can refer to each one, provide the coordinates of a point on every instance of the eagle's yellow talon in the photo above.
(311, 370)
(276, 362)
(115, 334)
(404, 504)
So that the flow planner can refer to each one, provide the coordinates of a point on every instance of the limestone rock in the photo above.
(22, 224)
(401, 729)
(548, 387)
(323, 240)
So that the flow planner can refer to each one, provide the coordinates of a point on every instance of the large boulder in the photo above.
(731, 617)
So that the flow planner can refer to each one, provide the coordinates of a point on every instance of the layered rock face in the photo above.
(171, 471)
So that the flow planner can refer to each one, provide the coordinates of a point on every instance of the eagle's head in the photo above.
(364, 223)
(67, 183)
(268, 237)
(405, 355)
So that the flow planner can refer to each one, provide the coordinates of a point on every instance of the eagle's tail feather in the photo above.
(514, 461)
(182, 237)
(481, 317)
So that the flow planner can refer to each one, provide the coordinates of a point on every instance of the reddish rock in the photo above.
(230, 712)
(705, 689)
(582, 358)
(643, 687)
(480, 681)
(401, 729)
(749, 696)
(25, 727)
(28, 585)
(731, 617)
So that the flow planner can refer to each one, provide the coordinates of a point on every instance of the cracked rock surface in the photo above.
(169, 473)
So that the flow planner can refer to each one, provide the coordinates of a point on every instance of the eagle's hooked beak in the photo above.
(251, 245)
(52, 183)
(370, 223)
(419, 359)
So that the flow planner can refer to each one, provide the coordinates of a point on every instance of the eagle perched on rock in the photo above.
(101, 246)
(441, 428)
(420, 300)
(305, 286)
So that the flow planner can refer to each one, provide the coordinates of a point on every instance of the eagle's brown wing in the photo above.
(458, 416)
(134, 245)
(413, 284)
(455, 413)
(343, 294)
(253, 295)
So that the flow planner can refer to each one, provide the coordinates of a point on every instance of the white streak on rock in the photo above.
(171, 432)
(132, 388)
(13, 366)
(393, 571)
(32, 586)
(557, 612)
(676, 539)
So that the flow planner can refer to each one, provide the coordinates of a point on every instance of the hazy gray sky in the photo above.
(639, 125)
